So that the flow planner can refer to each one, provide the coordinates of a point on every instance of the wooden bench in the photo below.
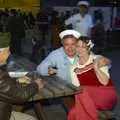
(105, 115)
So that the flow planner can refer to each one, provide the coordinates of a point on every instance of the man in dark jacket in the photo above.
(12, 92)
(16, 28)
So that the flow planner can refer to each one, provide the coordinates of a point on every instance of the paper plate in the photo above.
(17, 74)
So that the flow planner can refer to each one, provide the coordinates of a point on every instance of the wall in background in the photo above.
(25, 5)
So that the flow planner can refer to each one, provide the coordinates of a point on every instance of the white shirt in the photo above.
(81, 24)
(71, 60)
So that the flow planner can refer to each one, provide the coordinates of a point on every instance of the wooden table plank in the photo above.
(42, 94)
(53, 86)
(56, 91)
(65, 82)
(62, 87)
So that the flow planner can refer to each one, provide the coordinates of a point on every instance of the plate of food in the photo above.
(17, 74)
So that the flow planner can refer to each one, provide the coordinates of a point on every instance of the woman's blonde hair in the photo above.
(87, 41)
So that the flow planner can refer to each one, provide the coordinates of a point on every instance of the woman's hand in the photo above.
(90, 66)
(80, 70)
(96, 64)
(101, 75)
(102, 61)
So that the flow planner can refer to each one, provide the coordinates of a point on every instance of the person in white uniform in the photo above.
(82, 21)
(59, 61)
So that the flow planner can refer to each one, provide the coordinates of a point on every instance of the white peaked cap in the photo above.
(1, 49)
(74, 33)
(83, 3)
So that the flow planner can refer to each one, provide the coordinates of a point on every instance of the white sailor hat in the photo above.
(74, 33)
(7, 48)
(83, 3)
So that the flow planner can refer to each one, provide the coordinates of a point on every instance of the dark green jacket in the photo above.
(12, 92)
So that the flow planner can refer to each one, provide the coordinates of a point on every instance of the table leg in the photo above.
(39, 110)
(18, 108)
(67, 103)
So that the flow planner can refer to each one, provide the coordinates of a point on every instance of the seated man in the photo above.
(59, 61)
(12, 92)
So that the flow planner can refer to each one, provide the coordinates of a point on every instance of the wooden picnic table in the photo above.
(54, 87)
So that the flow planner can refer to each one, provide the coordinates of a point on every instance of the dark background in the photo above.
(49, 3)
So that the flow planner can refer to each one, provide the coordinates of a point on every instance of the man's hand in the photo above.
(39, 83)
(24, 80)
(52, 70)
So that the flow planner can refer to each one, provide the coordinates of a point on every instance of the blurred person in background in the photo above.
(82, 21)
(17, 29)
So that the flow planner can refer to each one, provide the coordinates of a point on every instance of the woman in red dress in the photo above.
(98, 91)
